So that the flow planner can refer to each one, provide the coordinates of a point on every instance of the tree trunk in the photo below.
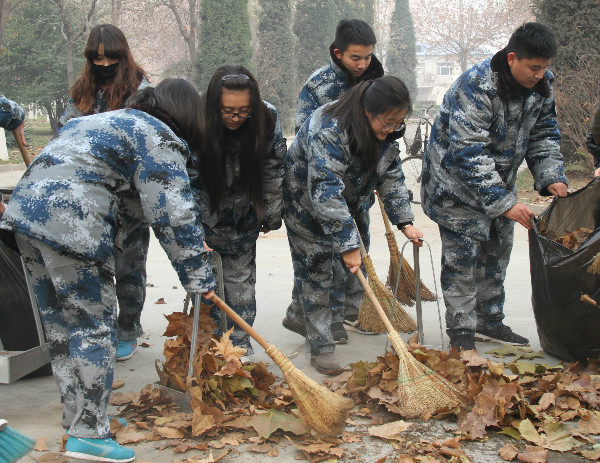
(4, 10)
(70, 77)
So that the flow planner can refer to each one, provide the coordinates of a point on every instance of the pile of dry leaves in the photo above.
(573, 240)
(543, 408)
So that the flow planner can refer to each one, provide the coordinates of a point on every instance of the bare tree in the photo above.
(115, 12)
(462, 29)
(75, 21)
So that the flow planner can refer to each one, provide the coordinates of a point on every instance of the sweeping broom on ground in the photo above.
(368, 319)
(406, 286)
(421, 391)
(321, 409)
(594, 267)
(13, 445)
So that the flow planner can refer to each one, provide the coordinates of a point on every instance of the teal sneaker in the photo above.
(126, 349)
(105, 450)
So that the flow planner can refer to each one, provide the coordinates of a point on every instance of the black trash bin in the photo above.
(567, 327)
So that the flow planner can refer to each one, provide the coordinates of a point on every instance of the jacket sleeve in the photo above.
(273, 176)
(543, 149)
(393, 192)
(328, 159)
(169, 207)
(469, 160)
(71, 112)
(11, 114)
(306, 105)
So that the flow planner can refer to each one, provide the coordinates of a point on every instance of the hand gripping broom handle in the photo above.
(375, 302)
(22, 149)
(386, 219)
(221, 304)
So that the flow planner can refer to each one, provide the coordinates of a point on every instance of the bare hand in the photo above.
(209, 295)
(414, 235)
(597, 172)
(558, 189)
(19, 132)
(207, 247)
(265, 230)
(520, 213)
(352, 260)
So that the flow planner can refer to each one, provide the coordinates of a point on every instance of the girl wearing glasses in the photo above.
(238, 187)
(342, 152)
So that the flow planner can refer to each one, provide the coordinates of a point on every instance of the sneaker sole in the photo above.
(480, 337)
(356, 329)
(293, 327)
(87, 456)
(127, 357)
(341, 341)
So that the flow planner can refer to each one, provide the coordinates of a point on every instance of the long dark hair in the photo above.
(253, 133)
(376, 96)
(127, 78)
(176, 103)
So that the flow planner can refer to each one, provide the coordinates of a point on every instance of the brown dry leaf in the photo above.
(201, 423)
(533, 454)
(390, 431)
(528, 432)
(210, 459)
(168, 433)
(41, 445)
(593, 455)
(117, 384)
(225, 348)
(228, 440)
(546, 400)
(351, 437)
(480, 416)
(260, 448)
(496, 369)
(161, 300)
(509, 452)
(591, 425)
(558, 437)
(53, 457)
(131, 434)
(405, 459)
(471, 358)
(185, 446)
(273, 453)
(268, 422)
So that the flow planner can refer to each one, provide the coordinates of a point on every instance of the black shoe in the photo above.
(463, 342)
(351, 318)
(339, 333)
(502, 333)
(294, 326)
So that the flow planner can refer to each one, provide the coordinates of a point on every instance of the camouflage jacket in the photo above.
(236, 209)
(328, 84)
(325, 184)
(487, 125)
(11, 114)
(100, 105)
(68, 196)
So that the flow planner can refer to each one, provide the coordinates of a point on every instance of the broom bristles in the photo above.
(594, 268)
(322, 410)
(13, 445)
(422, 392)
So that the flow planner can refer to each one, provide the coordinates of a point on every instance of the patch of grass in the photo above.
(37, 135)
(524, 180)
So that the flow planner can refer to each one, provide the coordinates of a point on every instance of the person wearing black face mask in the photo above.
(109, 77)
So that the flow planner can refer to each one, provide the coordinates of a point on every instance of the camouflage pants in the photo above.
(473, 275)
(238, 256)
(319, 280)
(78, 307)
(345, 296)
(130, 282)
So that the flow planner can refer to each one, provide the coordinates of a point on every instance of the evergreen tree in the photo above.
(314, 27)
(274, 59)
(224, 38)
(356, 9)
(401, 56)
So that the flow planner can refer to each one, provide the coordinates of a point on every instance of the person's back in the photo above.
(351, 61)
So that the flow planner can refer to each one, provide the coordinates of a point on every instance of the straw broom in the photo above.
(406, 286)
(368, 319)
(594, 267)
(422, 392)
(322, 410)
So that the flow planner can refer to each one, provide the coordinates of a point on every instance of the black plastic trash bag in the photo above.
(567, 327)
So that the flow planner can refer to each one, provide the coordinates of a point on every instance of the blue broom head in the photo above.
(13, 445)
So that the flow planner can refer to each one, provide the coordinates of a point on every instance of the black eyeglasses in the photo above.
(231, 114)
(393, 127)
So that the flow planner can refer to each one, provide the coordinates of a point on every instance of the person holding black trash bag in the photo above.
(495, 115)
(64, 213)
(110, 75)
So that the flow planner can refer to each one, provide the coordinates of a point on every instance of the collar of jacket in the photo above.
(374, 70)
(507, 86)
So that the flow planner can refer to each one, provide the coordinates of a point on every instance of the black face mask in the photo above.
(104, 72)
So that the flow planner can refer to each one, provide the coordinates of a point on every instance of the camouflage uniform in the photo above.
(234, 230)
(132, 248)
(325, 85)
(324, 188)
(487, 125)
(11, 114)
(65, 212)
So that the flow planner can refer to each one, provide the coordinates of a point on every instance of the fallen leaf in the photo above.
(131, 434)
(390, 431)
(161, 300)
(558, 437)
(472, 359)
(509, 452)
(267, 423)
(41, 445)
(118, 384)
(590, 425)
(185, 446)
(259, 448)
(546, 400)
(53, 457)
(168, 433)
(201, 423)
(528, 432)
(533, 454)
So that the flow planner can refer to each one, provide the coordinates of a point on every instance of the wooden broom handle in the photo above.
(588, 300)
(386, 219)
(22, 149)
(240, 321)
(376, 304)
